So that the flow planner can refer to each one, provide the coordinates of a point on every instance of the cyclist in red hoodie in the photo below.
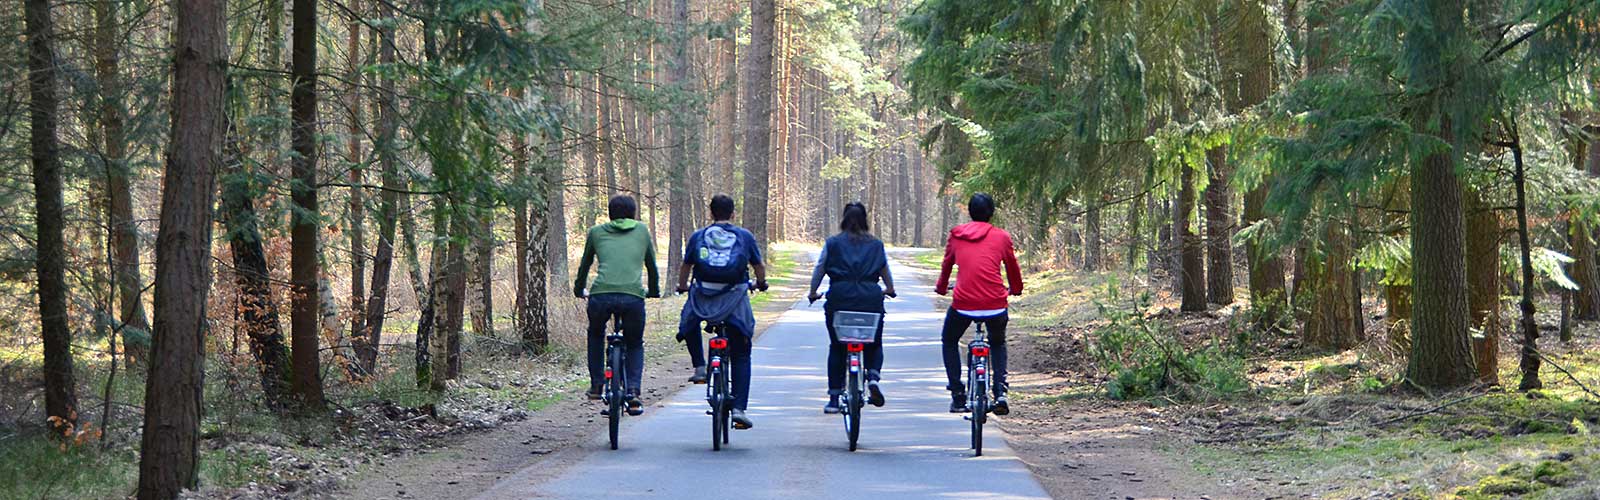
(978, 249)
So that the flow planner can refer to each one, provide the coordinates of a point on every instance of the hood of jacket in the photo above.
(971, 231)
(621, 225)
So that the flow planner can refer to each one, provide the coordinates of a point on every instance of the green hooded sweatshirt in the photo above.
(621, 246)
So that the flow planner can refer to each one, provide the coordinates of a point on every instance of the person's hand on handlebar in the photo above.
(761, 285)
(681, 290)
(889, 292)
(580, 293)
(814, 297)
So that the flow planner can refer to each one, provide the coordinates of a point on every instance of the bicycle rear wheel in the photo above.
(852, 413)
(616, 394)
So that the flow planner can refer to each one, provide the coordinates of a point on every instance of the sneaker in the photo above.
(1001, 406)
(699, 376)
(593, 393)
(958, 402)
(874, 395)
(832, 408)
(635, 406)
(740, 421)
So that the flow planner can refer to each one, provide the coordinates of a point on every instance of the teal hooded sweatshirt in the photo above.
(622, 247)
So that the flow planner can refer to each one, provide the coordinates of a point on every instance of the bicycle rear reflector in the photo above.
(719, 343)
(608, 373)
(716, 363)
(980, 351)
(854, 347)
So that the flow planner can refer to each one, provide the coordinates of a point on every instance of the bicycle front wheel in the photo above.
(852, 413)
(980, 412)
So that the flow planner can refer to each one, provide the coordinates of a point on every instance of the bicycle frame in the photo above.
(614, 393)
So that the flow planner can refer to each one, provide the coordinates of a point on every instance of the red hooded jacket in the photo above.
(978, 249)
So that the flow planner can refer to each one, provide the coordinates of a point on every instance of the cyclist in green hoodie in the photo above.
(621, 246)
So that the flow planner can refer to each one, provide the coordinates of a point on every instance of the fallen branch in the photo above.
(1569, 374)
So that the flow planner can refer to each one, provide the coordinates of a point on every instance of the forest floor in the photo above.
(1308, 424)
(383, 438)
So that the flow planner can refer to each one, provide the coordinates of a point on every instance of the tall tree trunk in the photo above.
(304, 331)
(449, 304)
(1483, 283)
(1529, 362)
(1093, 249)
(480, 278)
(389, 201)
(1249, 55)
(678, 204)
(758, 119)
(169, 445)
(60, 393)
(1585, 268)
(728, 111)
(1219, 229)
(1441, 349)
(589, 117)
(357, 207)
(1191, 261)
(119, 183)
(1332, 320)
(258, 309)
(532, 313)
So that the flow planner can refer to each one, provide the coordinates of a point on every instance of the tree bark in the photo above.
(757, 123)
(1332, 321)
(1219, 229)
(357, 207)
(1483, 284)
(533, 313)
(480, 278)
(1585, 268)
(258, 310)
(304, 316)
(169, 450)
(60, 393)
(119, 183)
(1093, 250)
(389, 201)
(1441, 349)
(1529, 362)
(1191, 254)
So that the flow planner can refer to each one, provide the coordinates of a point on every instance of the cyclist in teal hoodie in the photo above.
(621, 246)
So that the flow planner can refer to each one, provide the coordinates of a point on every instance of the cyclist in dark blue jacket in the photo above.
(720, 257)
(854, 261)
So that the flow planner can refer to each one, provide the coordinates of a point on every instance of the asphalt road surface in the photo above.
(912, 448)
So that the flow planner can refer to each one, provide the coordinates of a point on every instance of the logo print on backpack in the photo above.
(721, 254)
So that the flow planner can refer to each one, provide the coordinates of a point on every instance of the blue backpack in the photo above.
(722, 256)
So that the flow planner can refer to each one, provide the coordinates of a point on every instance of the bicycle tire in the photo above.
(617, 397)
(980, 410)
(852, 414)
(727, 409)
(718, 409)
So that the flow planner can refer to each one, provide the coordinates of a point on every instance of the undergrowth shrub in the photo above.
(1144, 357)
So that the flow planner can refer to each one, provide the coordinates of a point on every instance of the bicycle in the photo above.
(855, 330)
(614, 392)
(719, 391)
(978, 386)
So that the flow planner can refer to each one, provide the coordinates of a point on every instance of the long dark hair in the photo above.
(853, 220)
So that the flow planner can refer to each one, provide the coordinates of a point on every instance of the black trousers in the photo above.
(955, 327)
(630, 309)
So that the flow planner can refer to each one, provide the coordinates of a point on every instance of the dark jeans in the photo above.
(630, 309)
(836, 357)
(955, 326)
(738, 360)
